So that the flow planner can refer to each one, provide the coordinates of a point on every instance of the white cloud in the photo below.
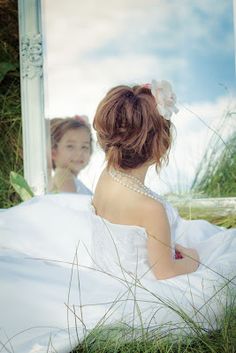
(76, 31)
(78, 89)
(76, 27)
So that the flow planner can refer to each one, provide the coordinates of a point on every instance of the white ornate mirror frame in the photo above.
(35, 131)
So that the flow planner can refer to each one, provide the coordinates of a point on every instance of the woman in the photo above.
(146, 270)
(134, 136)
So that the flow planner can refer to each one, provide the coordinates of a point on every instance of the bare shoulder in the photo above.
(152, 207)
(153, 216)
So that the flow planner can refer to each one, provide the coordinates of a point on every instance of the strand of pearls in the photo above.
(132, 183)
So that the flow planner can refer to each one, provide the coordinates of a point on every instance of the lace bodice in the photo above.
(122, 249)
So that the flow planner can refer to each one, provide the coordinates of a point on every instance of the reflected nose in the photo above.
(78, 153)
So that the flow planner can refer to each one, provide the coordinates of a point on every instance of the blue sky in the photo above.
(92, 46)
(208, 52)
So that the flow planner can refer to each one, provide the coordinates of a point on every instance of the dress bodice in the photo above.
(122, 249)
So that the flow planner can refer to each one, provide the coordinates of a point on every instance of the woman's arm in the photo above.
(159, 248)
(63, 181)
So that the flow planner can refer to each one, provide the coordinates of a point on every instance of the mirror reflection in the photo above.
(71, 144)
(191, 44)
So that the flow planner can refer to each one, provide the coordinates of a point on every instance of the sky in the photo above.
(91, 46)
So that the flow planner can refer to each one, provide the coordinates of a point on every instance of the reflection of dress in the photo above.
(81, 188)
(43, 295)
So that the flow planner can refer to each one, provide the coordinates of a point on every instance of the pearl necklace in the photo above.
(132, 183)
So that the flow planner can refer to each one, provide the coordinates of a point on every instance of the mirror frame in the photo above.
(36, 130)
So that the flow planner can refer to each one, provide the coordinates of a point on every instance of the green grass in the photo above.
(222, 340)
(11, 153)
(216, 174)
(210, 214)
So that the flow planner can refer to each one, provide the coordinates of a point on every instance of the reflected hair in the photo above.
(59, 126)
(130, 129)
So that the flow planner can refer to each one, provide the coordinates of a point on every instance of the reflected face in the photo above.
(73, 150)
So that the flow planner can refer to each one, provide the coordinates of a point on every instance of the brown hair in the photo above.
(130, 129)
(59, 126)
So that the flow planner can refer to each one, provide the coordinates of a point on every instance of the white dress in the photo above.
(64, 271)
(81, 188)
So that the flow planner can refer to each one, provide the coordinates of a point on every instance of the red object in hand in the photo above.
(178, 255)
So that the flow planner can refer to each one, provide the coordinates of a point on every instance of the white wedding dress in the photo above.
(64, 271)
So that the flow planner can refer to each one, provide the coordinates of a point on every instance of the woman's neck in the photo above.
(139, 173)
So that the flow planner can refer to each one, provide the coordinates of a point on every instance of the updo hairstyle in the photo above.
(59, 126)
(130, 130)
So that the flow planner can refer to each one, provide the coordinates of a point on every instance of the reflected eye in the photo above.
(69, 146)
(85, 148)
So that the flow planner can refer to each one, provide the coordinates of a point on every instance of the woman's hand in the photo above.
(63, 181)
(190, 254)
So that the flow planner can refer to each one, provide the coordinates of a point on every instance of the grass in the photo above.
(115, 340)
(216, 174)
(11, 153)
(209, 214)
(221, 341)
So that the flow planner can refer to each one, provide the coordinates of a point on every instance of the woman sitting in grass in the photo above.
(124, 261)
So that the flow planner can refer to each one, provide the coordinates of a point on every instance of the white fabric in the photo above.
(61, 264)
(81, 188)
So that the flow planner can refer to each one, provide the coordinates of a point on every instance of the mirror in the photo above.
(90, 48)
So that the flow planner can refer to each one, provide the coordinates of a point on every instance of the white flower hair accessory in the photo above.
(165, 98)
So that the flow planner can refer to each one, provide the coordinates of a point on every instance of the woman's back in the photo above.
(121, 205)
(118, 204)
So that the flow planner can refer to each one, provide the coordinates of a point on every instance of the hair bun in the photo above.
(129, 128)
(114, 155)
